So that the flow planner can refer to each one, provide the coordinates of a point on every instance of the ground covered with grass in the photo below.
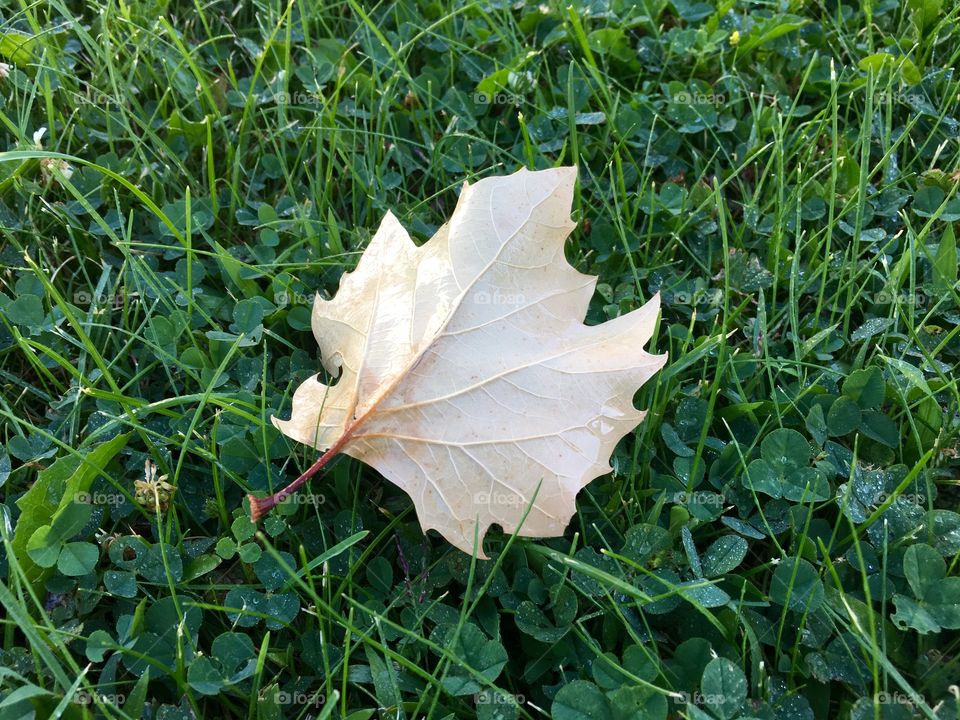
(779, 538)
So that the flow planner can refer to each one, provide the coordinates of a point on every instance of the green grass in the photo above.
(779, 538)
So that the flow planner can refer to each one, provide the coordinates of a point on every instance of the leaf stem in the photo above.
(261, 506)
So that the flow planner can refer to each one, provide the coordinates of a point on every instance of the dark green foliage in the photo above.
(778, 540)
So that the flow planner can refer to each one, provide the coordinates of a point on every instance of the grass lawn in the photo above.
(779, 539)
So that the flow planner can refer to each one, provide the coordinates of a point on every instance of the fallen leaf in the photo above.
(466, 374)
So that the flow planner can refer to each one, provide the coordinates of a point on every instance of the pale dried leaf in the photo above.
(466, 374)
